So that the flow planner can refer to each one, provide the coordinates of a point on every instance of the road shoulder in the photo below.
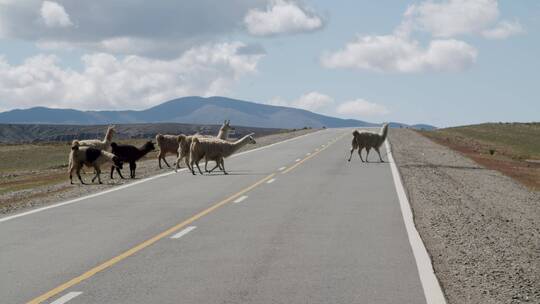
(480, 227)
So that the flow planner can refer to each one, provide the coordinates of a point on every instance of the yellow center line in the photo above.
(313, 154)
(143, 245)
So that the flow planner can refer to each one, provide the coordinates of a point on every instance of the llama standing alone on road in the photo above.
(368, 140)
(104, 144)
(216, 150)
(91, 157)
(131, 155)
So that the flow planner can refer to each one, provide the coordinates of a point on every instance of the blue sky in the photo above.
(446, 63)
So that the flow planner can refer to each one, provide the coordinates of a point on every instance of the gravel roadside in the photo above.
(40, 196)
(481, 228)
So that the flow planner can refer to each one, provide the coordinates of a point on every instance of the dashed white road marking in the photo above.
(297, 160)
(282, 168)
(67, 297)
(270, 181)
(183, 232)
(241, 198)
(308, 154)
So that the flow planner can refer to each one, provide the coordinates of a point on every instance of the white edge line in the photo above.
(183, 232)
(68, 296)
(240, 199)
(430, 284)
(11, 217)
(270, 181)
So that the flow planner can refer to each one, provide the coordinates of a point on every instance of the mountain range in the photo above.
(190, 110)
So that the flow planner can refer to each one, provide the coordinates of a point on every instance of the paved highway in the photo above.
(293, 223)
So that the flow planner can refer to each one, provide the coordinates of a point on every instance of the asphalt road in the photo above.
(284, 227)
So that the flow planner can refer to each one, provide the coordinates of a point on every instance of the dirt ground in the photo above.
(481, 228)
(25, 188)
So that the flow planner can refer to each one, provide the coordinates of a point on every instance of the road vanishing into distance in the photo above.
(294, 222)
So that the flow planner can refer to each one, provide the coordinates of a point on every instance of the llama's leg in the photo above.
(165, 161)
(98, 172)
(352, 150)
(223, 166)
(191, 168)
(360, 154)
(378, 152)
(177, 164)
(206, 164)
(119, 172)
(132, 167)
(79, 175)
(159, 160)
(186, 160)
(217, 165)
(367, 154)
(112, 171)
(70, 170)
(199, 168)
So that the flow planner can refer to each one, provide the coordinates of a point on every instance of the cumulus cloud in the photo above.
(281, 17)
(401, 52)
(459, 17)
(360, 107)
(110, 82)
(394, 53)
(503, 30)
(128, 27)
(54, 15)
(312, 101)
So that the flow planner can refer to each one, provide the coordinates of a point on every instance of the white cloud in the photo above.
(458, 17)
(124, 26)
(54, 15)
(395, 53)
(360, 107)
(281, 17)
(454, 17)
(503, 30)
(312, 101)
(109, 82)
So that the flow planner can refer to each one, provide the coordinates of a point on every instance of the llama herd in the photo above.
(95, 153)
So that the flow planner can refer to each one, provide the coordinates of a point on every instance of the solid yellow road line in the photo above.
(312, 155)
(143, 245)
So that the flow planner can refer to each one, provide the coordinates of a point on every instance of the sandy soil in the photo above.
(61, 190)
(481, 228)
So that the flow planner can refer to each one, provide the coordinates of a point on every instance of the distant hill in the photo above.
(30, 133)
(189, 110)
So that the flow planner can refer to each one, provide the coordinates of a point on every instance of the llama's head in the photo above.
(149, 146)
(251, 140)
(117, 162)
(226, 126)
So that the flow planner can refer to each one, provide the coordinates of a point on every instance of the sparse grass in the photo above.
(26, 166)
(506, 147)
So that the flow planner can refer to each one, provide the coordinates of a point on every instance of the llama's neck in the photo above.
(223, 133)
(235, 146)
(384, 133)
(108, 137)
